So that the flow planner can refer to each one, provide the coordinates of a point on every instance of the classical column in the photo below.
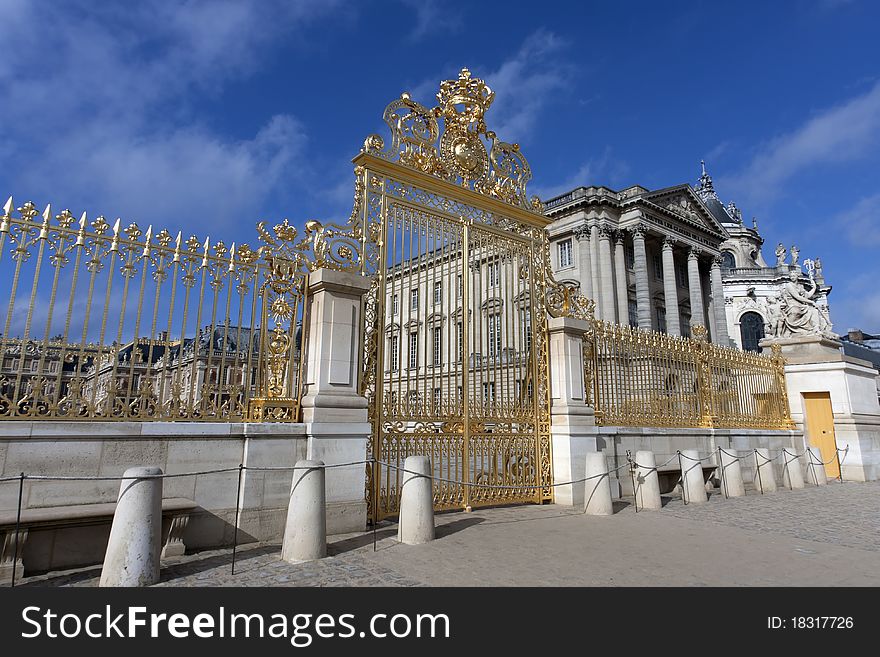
(670, 291)
(596, 277)
(620, 274)
(696, 289)
(585, 264)
(643, 291)
(718, 303)
(606, 274)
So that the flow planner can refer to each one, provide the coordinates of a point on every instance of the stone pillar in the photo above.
(334, 413)
(620, 278)
(647, 493)
(606, 275)
(816, 467)
(670, 290)
(720, 336)
(585, 260)
(731, 474)
(572, 423)
(643, 290)
(792, 473)
(693, 488)
(595, 270)
(765, 477)
(135, 544)
(305, 534)
(597, 489)
(695, 288)
(416, 522)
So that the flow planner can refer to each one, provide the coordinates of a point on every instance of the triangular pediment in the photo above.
(683, 203)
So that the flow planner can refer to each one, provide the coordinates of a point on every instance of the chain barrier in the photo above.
(631, 463)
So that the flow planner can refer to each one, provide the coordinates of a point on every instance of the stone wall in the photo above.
(109, 448)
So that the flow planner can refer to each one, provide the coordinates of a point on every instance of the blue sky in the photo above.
(210, 116)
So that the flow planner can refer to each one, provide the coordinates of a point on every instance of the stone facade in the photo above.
(634, 249)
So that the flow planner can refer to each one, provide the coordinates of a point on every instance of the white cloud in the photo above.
(840, 134)
(861, 223)
(105, 113)
(432, 18)
(602, 170)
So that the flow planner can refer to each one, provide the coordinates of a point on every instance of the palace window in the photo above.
(681, 275)
(414, 299)
(751, 330)
(460, 341)
(437, 393)
(526, 316)
(395, 305)
(658, 267)
(494, 335)
(458, 286)
(661, 319)
(489, 391)
(413, 349)
(492, 271)
(437, 340)
(394, 350)
(564, 250)
(728, 261)
(629, 255)
(633, 309)
(438, 292)
(685, 325)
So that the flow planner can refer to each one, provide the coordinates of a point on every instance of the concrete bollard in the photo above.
(731, 474)
(765, 479)
(305, 534)
(792, 473)
(597, 491)
(647, 493)
(416, 523)
(133, 551)
(816, 467)
(693, 487)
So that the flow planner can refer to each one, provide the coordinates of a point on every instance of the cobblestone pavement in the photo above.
(827, 536)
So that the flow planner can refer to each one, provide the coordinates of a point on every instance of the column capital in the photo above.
(619, 236)
(669, 241)
(716, 261)
(582, 232)
(638, 230)
(474, 264)
(694, 253)
(606, 231)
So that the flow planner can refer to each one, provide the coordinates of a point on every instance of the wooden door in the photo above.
(819, 423)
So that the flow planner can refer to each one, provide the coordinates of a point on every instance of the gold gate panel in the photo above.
(456, 350)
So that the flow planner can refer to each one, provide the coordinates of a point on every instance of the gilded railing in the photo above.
(118, 323)
(643, 378)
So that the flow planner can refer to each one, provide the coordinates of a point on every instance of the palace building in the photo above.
(667, 259)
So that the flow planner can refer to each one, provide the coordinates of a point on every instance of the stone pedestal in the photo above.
(573, 423)
(334, 411)
(816, 364)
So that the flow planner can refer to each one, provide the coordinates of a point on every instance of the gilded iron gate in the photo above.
(456, 347)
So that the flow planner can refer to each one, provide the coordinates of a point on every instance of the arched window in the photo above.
(751, 329)
(727, 260)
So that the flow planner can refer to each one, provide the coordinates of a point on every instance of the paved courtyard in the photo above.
(828, 536)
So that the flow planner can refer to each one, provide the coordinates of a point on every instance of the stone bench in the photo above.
(670, 477)
(77, 535)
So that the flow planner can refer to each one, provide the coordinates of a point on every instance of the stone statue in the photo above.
(802, 314)
(794, 255)
(780, 255)
(817, 263)
(776, 316)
